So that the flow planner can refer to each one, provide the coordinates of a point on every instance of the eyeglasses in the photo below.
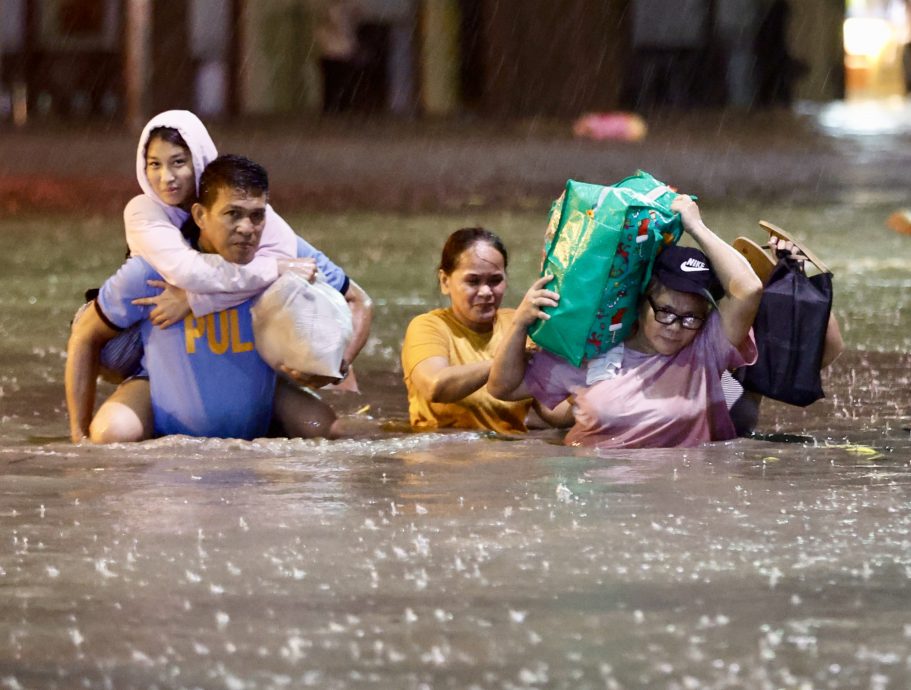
(666, 317)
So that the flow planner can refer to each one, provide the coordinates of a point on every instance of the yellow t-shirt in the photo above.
(439, 334)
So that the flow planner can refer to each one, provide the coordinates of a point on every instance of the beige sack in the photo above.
(305, 326)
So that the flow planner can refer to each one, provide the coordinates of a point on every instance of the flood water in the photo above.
(462, 560)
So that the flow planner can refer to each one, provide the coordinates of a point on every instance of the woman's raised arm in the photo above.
(742, 288)
(507, 375)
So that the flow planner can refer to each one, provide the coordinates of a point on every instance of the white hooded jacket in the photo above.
(153, 232)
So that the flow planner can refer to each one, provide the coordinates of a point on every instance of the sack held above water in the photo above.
(600, 244)
(304, 326)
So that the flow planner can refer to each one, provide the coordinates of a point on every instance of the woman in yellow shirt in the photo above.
(447, 353)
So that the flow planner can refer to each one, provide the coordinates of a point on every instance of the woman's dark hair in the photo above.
(465, 238)
(168, 134)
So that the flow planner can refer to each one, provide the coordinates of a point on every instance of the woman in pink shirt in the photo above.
(662, 386)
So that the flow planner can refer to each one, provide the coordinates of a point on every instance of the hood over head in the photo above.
(202, 150)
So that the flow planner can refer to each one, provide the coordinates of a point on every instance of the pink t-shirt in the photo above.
(654, 401)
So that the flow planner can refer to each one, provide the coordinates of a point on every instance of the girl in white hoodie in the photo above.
(173, 150)
(154, 218)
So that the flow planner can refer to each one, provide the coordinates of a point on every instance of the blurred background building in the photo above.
(125, 59)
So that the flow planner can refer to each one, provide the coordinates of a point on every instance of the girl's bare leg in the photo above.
(126, 416)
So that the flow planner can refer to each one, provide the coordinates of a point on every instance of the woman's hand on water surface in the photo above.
(305, 268)
(532, 305)
(171, 305)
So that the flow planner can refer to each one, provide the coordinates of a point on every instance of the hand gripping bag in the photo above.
(790, 330)
(305, 326)
(600, 244)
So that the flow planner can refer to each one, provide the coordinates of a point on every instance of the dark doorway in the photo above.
(471, 48)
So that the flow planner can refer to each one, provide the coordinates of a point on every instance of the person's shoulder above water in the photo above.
(146, 208)
(115, 297)
(436, 319)
(446, 315)
(152, 227)
(133, 273)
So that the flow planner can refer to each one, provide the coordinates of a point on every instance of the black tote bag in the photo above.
(790, 331)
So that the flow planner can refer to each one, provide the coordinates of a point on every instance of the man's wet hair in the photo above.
(232, 172)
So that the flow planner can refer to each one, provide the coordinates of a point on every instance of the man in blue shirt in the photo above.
(205, 375)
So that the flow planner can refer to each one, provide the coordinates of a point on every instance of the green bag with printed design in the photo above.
(600, 244)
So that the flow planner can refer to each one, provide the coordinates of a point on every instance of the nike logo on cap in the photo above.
(691, 265)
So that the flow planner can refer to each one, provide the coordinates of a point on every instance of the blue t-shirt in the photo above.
(334, 275)
(205, 375)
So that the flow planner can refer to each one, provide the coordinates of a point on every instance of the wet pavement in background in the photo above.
(816, 152)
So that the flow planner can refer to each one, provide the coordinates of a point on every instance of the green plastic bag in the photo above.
(600, 244)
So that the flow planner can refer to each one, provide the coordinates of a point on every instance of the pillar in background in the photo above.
(401, 68)
(158, 63)
(276, 70)
(137, 60)
(173, 66)
(439, 56)
(735, 25)
(816, 36)
(2, 89)
(213, 40)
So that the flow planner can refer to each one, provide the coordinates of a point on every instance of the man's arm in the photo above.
(361, 317)
(88, 336)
